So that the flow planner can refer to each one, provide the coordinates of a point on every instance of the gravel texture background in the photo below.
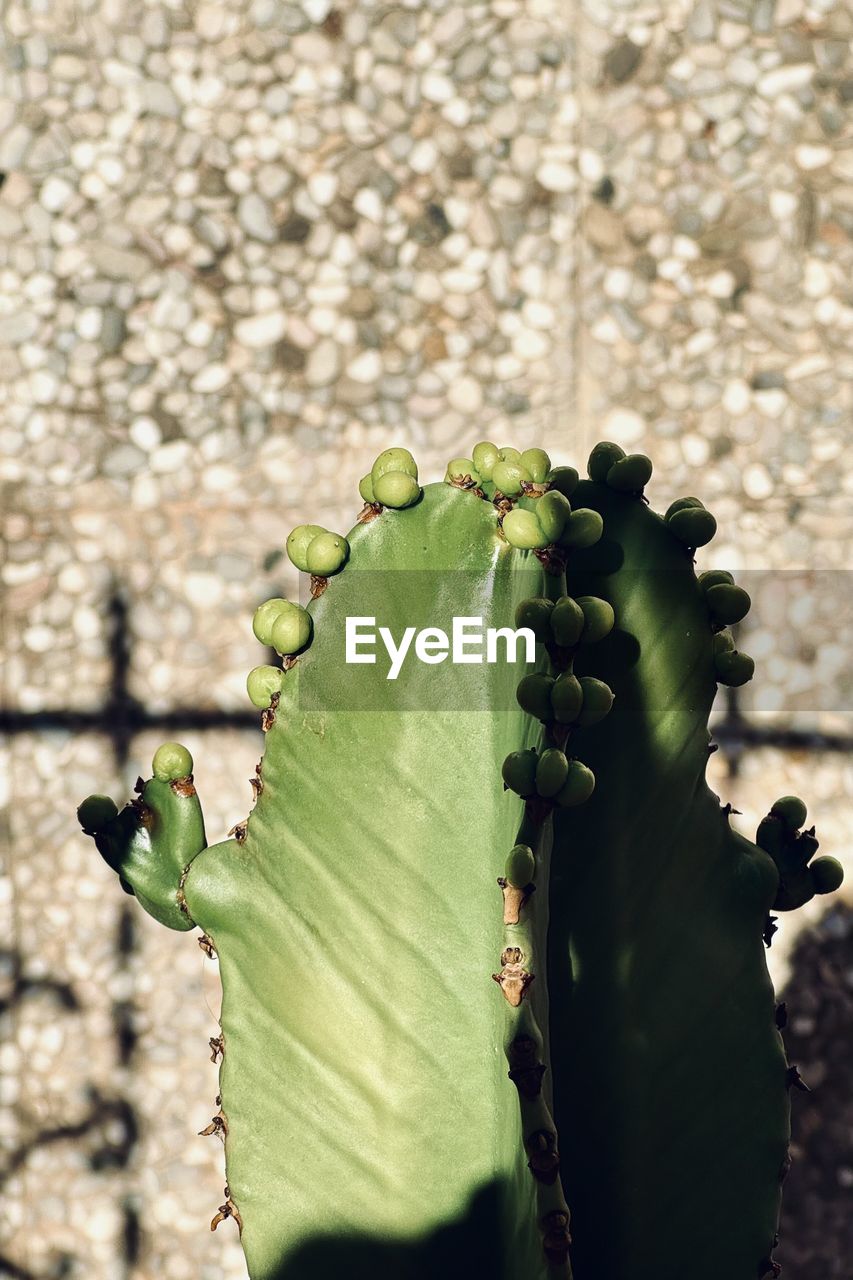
(245, 246)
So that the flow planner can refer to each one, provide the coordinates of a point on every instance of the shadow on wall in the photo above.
(816, 1236)
(473, 1245)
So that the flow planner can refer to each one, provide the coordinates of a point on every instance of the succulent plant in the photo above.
(577, 1072)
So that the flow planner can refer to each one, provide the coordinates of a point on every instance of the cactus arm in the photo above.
(358, 923)
(671, 1074)
(151, 842)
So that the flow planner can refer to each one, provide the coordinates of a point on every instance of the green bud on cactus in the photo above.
(579, 785)
(534, 695)
(519, 772)
(510, 478)
(291, 630)
(681, 504)
(522, 529)
(827, 874)
(520, 866)
(715, 578)
(537, 463)
(722, 642)
(298, 542)
(597, 700)
(694, 526)
(552, 771)
(566, 698)
(365, 488)
(791, 812)
(396, 489)
(552, 511)
(535, 614)
(393, 460)
(598, 618)
(630, 474)
(508, 454)
(727, 604)
(583, 529)
(327, 553)
(602, 458)
(459, 468)
(265, 616)
(261, 683)
(567, 622)
(734, 668)
(484, 456)
(96, 812)
(772, 836)
(171, 761)
(564, 479)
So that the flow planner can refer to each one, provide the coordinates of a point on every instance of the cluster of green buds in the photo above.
(801, 875)
(392, 481)
(313, 549)
(549, 774)
(286, 627)
(625, 472)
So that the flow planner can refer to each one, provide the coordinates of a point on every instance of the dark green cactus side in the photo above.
(495, 999)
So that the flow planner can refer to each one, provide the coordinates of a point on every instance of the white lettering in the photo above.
(512, 638)
(353, 639)
(461, 638)
(396, 653)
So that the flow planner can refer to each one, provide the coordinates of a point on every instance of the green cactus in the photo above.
(382, 1103)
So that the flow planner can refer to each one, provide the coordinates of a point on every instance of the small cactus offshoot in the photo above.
(580, 1074)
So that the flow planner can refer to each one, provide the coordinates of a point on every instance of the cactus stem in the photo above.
(552, 559)
(217, 1047)
(206, 944)
(513, 979)
(227, 1210)
(514, 899)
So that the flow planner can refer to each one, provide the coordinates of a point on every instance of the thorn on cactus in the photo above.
(217, 1047)
(227, 1210)
(794, 1080)
(207, 946)
(515, 898)
(544, 1162)
(513, 978)
(525, 1067)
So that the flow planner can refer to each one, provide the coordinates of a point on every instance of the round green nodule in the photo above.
(567, 622)
(602, 458)
(265, 616)
(578, 787)
(597, 700)
(537, 462)
(396, 489)
(584, 528)
(599, 618)
(681, 504)
(552, 511)
(393, 460)
(460, 468)
(552, 771)
(291, 631)
(715, 578)
(694, 526)
(723, 642)
(564, 479)
(534, 695)
(171, 761)
(365, 488)
(827, 874)
(485, 456)
(327, 554)
(535, 614)
(630, 474)
(520, 866)
(510, 478)
(728, 604)
(261, 683)
(523, 530)
(96, 812)
(509, 454)
(734, 668)
(566, 698)
(790, 810)
(298, 542)
(519, 772)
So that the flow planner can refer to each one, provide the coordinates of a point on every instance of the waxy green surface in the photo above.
(364, 1079)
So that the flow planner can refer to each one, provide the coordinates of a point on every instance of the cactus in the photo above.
(577, 1073)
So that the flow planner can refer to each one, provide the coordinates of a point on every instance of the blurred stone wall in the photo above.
(245, 246)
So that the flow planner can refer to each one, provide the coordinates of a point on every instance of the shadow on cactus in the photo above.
(494, 989)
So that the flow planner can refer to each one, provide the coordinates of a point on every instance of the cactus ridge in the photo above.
(617, 1095)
